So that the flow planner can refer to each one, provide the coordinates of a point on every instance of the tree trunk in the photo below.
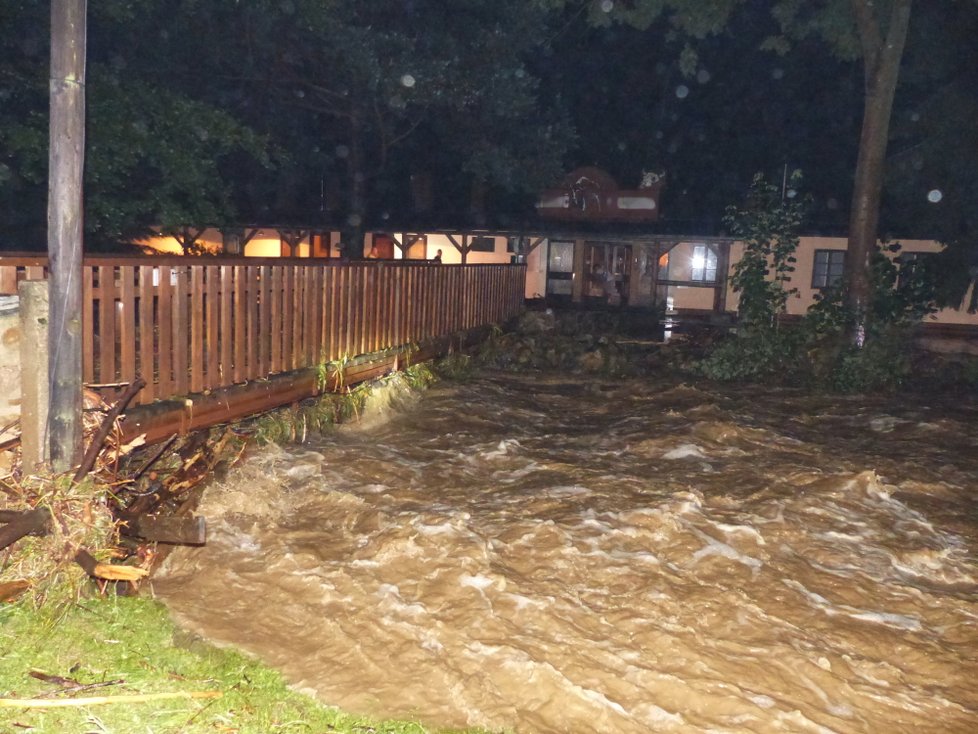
(65, 165)
(352, 230)
(881, 58)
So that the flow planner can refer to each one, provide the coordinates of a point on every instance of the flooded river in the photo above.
(562, 554)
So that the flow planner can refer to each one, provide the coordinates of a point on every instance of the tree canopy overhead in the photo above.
(382, 113)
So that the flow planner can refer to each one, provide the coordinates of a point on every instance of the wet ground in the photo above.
(546, 554)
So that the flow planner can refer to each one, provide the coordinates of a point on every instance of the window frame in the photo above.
(829, 281)
(710, 263)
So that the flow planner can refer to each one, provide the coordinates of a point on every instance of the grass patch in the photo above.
(132, 642)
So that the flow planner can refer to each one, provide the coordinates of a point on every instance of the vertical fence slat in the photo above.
(212, 313)
(106, 324)
(346, 315)
(197, 328)
(288, 318)
(266, 299)
(197, 353)
(226, 337)
(181, 334)
(162, 276)
(277, 333)
(88, 325)
(147, 328)
(127, 323)
(251, 301)
(316, 284)
(329, 316)
(239, 278)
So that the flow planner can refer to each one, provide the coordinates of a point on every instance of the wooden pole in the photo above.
(66, 162)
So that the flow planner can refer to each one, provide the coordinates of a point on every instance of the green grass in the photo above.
(132, 641)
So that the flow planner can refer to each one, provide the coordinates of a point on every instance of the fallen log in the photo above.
(174, 530)
(23, 523)
(12, 589)
(108, 571)
(95, 447)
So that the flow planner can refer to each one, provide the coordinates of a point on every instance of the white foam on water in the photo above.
(685, 451)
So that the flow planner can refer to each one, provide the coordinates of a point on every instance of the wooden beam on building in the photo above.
(577, 285)
(723, 262)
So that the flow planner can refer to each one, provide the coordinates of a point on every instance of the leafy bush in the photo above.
(759, 354)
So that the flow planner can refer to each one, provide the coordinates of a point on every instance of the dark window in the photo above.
(703, 266)
(482, 244)
(829, 267)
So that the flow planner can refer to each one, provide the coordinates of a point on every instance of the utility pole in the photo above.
(66, 159)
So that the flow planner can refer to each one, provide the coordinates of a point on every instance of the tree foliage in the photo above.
(218, 111)
(768, 227)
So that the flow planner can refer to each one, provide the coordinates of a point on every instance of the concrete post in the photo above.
(34, 387)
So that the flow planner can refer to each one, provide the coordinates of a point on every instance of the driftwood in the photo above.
(12, 589)
(52, 703)
(108, 571)
(95, 447)
(70, 685)
(190, 454)
(176, 530)
(20, 524)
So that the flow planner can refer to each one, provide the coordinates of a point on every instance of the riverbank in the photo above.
(140, 673)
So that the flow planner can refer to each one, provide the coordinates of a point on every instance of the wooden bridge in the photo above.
(232, 334)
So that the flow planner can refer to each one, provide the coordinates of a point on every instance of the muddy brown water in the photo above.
(545, 554)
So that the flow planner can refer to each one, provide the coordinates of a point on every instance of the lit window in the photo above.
(703, 265)
(829, 267)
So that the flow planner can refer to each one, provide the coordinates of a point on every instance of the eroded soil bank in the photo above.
(553, 555)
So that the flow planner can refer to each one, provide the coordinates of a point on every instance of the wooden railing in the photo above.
(189, 325)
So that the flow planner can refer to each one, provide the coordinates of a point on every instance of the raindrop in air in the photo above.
(607, 6)
(622, 146)
(342, 151)
(407, 80)
(777, 73)
(354, 220)
(682, 91)
(832, 203)
(702, 76)
(934, 196)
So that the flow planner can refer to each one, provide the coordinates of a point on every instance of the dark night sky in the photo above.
(741, 112)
